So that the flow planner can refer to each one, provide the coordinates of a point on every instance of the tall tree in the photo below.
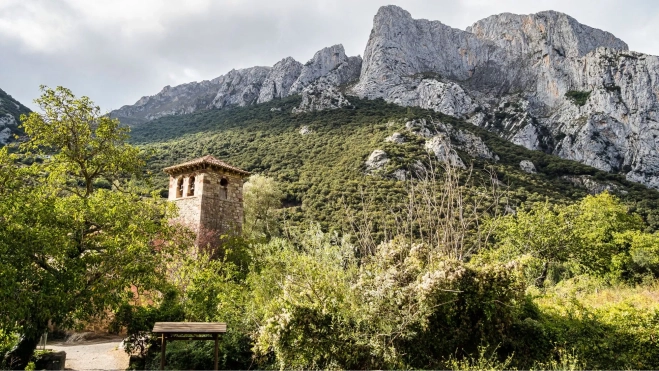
(70, 249)
(262, 199)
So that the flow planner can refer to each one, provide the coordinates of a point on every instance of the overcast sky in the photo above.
(116, 51)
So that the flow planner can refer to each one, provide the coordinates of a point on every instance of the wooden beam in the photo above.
(216, 358)
(162, 352)
(189, 327)
(190, 338)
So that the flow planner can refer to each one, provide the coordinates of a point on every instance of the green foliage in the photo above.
(605, 327)
(88, 146)
(318, 299)
(138, 321)
(330, 312)
(322, 173)
(564, 361)
(578, 97)
(202, 290)
(262, 197)
(643, 254)
(69, 250)
(596, 235)
(7, 342)
(483, 362)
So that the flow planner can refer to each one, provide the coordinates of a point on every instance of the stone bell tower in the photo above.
(209, 195)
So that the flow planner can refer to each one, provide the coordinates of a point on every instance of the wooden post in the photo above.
(216, 358)
(162, 352)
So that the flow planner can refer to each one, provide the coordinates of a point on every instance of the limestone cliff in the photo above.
(328, 69)
(280, 79)
(177, 100)
(543, 81)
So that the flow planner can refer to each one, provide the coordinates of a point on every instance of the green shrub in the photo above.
(578, 97)
(606, 327)
(319, 309)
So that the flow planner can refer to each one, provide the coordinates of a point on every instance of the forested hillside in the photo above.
(322, 170)
(490, 263)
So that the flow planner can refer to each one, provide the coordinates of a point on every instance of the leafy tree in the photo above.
(70, 250)
(597, 220)
(262, 197)
(588, 233)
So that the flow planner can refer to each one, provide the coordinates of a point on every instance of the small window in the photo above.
(191, 184)
(179, 187)
(223, 188)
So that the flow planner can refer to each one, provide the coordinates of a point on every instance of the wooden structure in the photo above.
(193, 330)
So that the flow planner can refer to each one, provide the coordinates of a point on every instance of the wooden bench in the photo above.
(188, 331)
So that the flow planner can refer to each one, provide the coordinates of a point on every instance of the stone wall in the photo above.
(211, 206)
(189, 207)
(222, 205)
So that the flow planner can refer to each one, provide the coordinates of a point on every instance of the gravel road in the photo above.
(97, 354)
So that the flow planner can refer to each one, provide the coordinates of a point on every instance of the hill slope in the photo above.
(10, 112)
(323, 167)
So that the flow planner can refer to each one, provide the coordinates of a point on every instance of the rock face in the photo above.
(543, 81)
(279, 80)
(304, 130)
(593, 186)
(177, 100)
(332, 64)
(319, 96)
(376, 160)
(240, 87)
(527, 166)
(397, 138)
(318, 81)
(7, 123)
(10, 111)
(440, 145)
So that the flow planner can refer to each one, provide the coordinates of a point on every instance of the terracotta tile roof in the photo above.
(202, 162)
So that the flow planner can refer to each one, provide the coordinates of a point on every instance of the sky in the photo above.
(116, 51)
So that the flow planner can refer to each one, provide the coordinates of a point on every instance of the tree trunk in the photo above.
(540, 281)
(20, 355)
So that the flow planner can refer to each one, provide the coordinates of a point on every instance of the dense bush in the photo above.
(608, 327)
(328, 311)
(597, 235)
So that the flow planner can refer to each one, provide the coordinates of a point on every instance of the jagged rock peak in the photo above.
(544, 31)
(280, 79)
(331, 63)
(171, 100)
(240, 87)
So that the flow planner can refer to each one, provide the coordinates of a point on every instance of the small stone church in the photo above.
(209, 196)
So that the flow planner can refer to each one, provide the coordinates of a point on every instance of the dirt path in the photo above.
(97, 354)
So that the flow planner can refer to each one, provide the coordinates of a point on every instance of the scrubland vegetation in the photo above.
(483, 268)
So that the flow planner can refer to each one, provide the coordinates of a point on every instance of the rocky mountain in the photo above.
(543, 81)
(10, 112)
(329, 68)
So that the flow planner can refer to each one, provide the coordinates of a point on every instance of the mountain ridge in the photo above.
(543, 81)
